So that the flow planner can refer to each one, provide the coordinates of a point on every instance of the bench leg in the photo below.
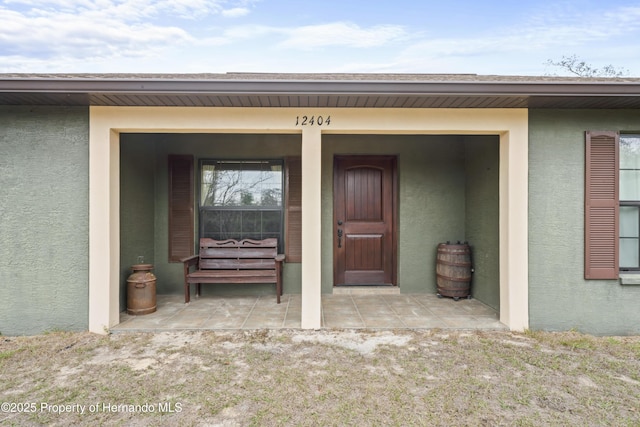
(279, 285)
(198, 290)
(187, 292)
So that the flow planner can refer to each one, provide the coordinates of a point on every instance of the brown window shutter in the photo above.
(601, 205)
(181, 221)
(293, 212)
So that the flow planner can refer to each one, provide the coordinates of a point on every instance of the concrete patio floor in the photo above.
(346, 308)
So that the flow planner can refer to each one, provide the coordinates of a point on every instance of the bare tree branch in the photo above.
(580, 68)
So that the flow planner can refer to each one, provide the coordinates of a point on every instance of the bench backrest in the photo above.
(232, 254)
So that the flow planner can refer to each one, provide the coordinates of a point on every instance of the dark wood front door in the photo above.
(364, 220)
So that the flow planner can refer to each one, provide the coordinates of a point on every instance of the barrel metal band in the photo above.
(454, 279)
(461, 264)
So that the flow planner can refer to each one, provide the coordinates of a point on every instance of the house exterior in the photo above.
(538, 174)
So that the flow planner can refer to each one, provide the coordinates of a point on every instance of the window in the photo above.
(241, 199)
(234, 203)
(612, 204)
(630, 202)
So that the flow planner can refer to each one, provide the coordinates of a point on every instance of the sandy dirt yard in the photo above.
(320, 378)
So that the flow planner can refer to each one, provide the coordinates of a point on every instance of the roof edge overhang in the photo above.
(317, 87)
(318, 90)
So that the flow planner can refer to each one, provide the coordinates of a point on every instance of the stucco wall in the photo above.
(137, 206)
(482, 219)
(44, 230)
(433, 176)
(453, 191)
(559, 297)
(138, 211)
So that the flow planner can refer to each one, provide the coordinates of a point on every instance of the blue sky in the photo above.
(340, 36)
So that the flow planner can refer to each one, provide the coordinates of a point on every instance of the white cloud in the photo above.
(83, 30)
(175, 35)
(514, 48)
(312, 36)
(341, 34)
(124, 10)
(236, 12)
(79, 36)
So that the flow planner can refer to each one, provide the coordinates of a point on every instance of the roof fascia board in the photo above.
(332, 87)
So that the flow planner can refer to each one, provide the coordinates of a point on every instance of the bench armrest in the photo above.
(189, 262)
(279, 258)
(190, 259)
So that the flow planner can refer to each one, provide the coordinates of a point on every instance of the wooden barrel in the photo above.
(141, 290)
(453, 270)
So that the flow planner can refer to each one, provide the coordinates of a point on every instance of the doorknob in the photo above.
(339, 222)
(339, 237)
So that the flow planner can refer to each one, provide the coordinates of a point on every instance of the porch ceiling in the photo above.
(319, 91)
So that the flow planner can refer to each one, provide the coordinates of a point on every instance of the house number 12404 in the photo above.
(313, 120)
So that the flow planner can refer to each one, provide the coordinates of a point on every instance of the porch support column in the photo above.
(514, 258)
(311, 230)
(104, 226)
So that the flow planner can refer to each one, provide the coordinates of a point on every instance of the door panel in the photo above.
(364, 185)
(364, 226)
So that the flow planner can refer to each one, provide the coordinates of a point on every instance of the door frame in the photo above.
(394, 201)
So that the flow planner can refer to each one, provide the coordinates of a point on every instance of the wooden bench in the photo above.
(233, 261)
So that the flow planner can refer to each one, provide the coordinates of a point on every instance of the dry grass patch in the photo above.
(328, 377)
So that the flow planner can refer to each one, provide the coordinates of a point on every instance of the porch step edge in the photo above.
(366, 290)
